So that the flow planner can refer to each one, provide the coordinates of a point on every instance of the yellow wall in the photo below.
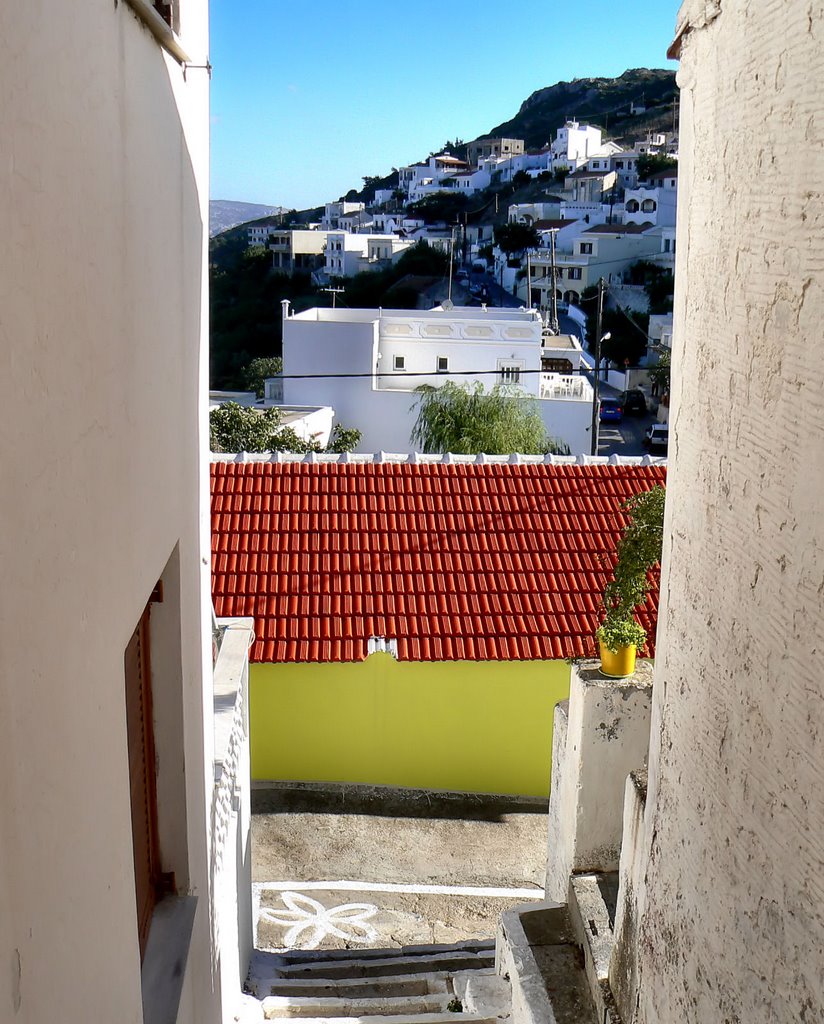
(482, 727)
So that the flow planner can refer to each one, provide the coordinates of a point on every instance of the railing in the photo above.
(557, 385)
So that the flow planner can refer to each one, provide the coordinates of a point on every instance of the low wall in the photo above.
(478, 727)
(602, 734)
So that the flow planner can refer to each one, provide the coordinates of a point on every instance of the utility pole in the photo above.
(529, 279)
(595, 388)
(333, 292)
(451, 250)
(554, 326)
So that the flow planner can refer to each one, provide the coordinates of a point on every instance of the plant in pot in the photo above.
(620, 635)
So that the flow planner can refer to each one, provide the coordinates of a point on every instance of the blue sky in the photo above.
(310, 95)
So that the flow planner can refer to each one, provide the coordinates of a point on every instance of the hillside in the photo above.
(226, 213)
(601, 101)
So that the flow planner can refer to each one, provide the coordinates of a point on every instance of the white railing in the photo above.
(559, 385)
(230, 860)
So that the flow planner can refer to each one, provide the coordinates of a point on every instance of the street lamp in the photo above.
(595, 389)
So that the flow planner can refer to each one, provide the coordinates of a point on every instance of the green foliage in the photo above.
(514, 238)
(255, 374)
(659, 375)
(467, 420)
(627, 329)
(652, 163)
(233, 428)
(439, 208)
(387, 288)
(344, 439)
(521, 178)
(658, 282)
(639, 551)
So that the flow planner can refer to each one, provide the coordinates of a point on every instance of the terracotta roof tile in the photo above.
(460, 561)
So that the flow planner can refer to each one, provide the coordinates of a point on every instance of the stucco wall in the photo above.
(482, 727)
(733, 908)
(103, 191)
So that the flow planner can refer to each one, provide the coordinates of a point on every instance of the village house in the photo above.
(482, 149)
(415, 614)
(297, 249)
(375, 359)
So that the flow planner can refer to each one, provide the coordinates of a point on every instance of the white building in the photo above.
(349, 254)
(655, 206)
(297, 249)
(332, 213)
(399, 350)
(123, 833)
(259, 234)
(575, 143)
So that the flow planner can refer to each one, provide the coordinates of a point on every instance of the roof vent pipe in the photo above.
(284, 305)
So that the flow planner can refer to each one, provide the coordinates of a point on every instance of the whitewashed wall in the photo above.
(733, 907)
(103, 389)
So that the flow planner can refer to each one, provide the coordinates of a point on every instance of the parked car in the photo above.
(656, 437)
(612, 411)
(634, 401)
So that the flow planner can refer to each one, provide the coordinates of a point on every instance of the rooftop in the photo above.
(366, 316)
(455, 558)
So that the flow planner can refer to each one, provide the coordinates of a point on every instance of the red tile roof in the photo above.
(454, 561)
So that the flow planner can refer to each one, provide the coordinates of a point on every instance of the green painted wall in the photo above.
(483, 727)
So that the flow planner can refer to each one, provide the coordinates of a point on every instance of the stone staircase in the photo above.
(426, 984)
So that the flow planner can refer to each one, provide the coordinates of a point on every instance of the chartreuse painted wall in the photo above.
(483, 727)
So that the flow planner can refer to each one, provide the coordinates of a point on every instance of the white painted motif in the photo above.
(347, 921)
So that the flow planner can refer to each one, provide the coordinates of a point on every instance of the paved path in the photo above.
(343, 870)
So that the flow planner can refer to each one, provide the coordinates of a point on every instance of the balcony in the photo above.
(562, 386)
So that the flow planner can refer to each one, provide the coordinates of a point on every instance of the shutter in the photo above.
(142, 777)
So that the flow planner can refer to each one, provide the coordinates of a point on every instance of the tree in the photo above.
(255, 373)
(659, 374)
(467, 420)
(515, 238)
(439, 207)
(520, 179)
(233, 428)
(652, 163)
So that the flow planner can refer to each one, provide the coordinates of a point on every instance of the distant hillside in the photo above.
(601, 101)
(225, 214)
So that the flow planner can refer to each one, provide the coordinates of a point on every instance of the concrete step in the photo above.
(294, 956)
(592, 915)
(358, 988)
(278, 1007)
(363, 967)
(405, 1018)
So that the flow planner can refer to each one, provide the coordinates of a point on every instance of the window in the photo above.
(586, 247)
(666, 245)
(574, 273)
(399, 362)
(443, 364)
(619, 165)
(168, 11)
(510, 373)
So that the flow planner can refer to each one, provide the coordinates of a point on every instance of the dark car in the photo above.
(612, 410)
(634, 402)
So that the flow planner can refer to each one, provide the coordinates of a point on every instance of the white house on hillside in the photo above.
(398, 350)
(334, 211)
(575, 143)
(349, 254)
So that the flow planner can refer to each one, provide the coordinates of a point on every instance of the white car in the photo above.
(657, 437)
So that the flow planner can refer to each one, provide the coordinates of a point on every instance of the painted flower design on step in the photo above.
(309, 922)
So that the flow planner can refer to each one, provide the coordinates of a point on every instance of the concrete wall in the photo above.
(601, 735)
(103, 202)
(733, 908)
(483, 727)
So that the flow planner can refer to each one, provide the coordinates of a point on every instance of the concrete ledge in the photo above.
(601, 735)
(536, 951)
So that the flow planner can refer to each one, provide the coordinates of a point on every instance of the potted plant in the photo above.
(620, 635)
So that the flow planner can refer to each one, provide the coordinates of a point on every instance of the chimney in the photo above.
(284, 305)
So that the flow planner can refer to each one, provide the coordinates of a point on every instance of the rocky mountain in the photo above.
(225, 214)
(608, 103)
